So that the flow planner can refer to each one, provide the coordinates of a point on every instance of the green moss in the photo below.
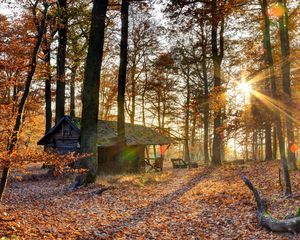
(266, 213)
(77, 122)
(9, 238)
(298, 212)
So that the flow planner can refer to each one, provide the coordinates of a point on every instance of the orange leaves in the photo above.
(218, 101)
(187, 205)
(21, 159)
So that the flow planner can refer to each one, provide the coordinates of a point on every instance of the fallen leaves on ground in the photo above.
(203, 203)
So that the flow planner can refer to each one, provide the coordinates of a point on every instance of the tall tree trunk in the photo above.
(286, 80)
(234, 146)
(133, 92)
(144, 91)
(163, 116)
(143, 109)
(277, 119)
(217, 56)
(246, 145)
(14, 98)
(187, 121)
(254, 145)
(206, 103)
(268, 142)
(159, 112)
(91, 85)
(291, 141)
(259, 146)
(193, 135)
(72, 91)
(206, 133)
(261, 157)
(61, 61)
(21, 106)
(122, 71)
(274, 143)
(210, 146)
(48, 99)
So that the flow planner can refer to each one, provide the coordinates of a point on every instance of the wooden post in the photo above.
(147, 152)
(154, 151)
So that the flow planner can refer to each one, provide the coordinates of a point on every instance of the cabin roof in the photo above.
(45, 139)
(107, 133)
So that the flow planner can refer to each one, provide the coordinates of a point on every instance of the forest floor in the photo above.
(202, 203)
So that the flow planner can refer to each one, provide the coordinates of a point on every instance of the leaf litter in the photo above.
(202, 203)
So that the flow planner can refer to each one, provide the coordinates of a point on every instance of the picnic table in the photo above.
(155, 164)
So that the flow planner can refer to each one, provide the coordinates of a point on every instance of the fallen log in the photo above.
(266, 220)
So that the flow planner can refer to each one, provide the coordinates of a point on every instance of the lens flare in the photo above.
(294, 148)
(276, 10)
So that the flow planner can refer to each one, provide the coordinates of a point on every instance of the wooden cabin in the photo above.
(141, 142)
(63, 137)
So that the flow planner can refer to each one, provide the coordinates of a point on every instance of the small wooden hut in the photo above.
(141, 142)
(63, 137)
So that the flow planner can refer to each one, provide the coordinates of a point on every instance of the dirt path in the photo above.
(155, 209)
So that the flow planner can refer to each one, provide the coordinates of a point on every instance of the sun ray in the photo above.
(273, 104)
(263, 73)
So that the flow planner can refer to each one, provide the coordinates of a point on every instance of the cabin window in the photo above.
(66, 130)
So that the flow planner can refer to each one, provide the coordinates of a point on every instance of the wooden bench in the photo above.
(179, 163)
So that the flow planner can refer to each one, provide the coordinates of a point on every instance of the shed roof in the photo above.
(135, 134)
(107, 133)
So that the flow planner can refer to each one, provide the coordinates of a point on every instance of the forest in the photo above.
(149, 119)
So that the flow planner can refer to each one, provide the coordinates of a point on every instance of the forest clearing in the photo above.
(203, 203)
